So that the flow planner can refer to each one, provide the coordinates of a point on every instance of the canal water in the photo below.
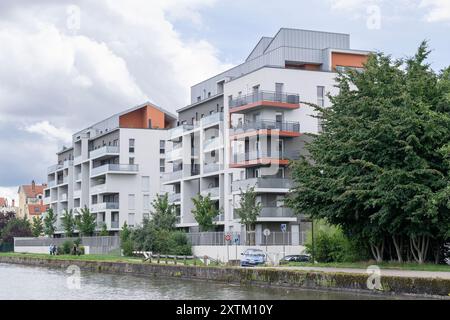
(25, 282)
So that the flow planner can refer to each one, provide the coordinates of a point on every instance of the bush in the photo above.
(81, 250)
(127, 248)
(67, 247)
(331, 245)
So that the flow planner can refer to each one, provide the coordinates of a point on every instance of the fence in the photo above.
(6, 247)
(97, 245)
(243, 238)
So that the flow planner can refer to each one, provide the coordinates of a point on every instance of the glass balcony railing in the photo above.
(175, 154)
(170, 176)
(212, 192)
(291, 126)
(219, 218)
(178, 131)
(212, 144)
(106, 150)
(105, 206)
(212, 167)
(257, 155)
(77, 160)
(271, 96)
(273, 212)
(265, 183)
(174, 197)
(54, 168)
(99, 188)
(51, 183)
(115, 168)
(115, 225)
(213, 118)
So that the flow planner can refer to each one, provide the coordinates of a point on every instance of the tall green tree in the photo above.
(37, 227)
(380, 168)
(49, 222)
(5, 217)
(163, 213)
(86, 222)
(16, 227)
(68, 223)
(204, 212)
(248, 212)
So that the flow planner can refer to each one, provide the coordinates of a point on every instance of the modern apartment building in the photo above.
(243, 126)
(113, 168)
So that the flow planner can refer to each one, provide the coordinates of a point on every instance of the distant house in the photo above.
(31, 200)
(5, 206)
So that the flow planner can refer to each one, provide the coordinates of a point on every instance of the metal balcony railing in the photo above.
(291, 126)
(271, 96)
(106, 150)
(265, 182)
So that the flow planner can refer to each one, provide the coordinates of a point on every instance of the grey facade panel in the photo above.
(260, 48)
(213, 105)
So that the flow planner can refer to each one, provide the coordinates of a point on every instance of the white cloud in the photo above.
(10, 193)
(57, 80)
(439, 10)
(50, 132)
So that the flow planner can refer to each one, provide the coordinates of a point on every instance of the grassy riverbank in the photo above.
(90, 257)
(383, 265)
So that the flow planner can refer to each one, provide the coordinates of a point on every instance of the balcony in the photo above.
(104, 151)
(262, 183)
(54, 168)
(78, 176)
(258, 158)
(171, 176)
(115, 225)
(212, 192)
(267, 127)
(273, 212)
(64, 180)
(192, 170)
(175, 154)
(219, 218)
(77, 193)
(47, 200)
(212, 119)
(63, 197)
(262, 99)
(67, 163)
(99, 188)
(51, 183)
(174, 197)
(180, 130)
(77, 160)
(212, 167)
(212, 144)
(104, 206)
(115, 168)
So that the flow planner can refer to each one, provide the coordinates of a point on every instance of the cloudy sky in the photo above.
(67, 64)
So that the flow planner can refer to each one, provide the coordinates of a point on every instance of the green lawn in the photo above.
(92, 257)
(384, 265)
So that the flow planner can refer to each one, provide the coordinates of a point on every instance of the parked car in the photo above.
(252, 257)
(296, 258)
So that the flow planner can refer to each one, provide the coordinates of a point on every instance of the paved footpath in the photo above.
(384, 272)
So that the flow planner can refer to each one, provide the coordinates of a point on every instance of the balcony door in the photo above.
(279, 118)
(279, 87)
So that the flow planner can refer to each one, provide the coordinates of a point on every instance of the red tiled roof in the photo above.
(30, 193)
(3, 202)
(36, 209)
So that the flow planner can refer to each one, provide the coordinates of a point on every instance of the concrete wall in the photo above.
(40, 249)
(234, 252)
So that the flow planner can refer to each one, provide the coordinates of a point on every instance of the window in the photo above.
(131, 160)
(162, 147)
(131, 201)
(209, 94)
(131, 145)
(211, 112)
(131, 220)
(150, 123)
(145, 184)
(199, 98)
(146, 202)
(202, 116)
(162, 166)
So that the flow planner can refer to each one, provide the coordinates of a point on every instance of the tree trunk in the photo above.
(419, 248)
(437, 252)
(377, 251)
(398, 244)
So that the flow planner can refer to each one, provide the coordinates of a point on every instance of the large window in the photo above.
(146, 202)
(162, 166)
(162, 147)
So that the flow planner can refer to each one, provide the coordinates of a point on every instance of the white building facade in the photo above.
(113, 168)
(245, 125)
